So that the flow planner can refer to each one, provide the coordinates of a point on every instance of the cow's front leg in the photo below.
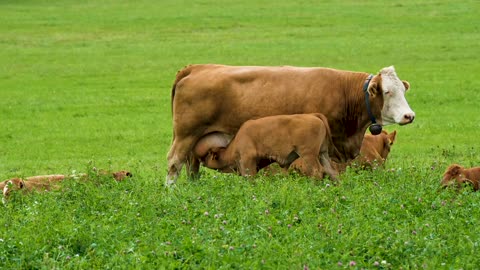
(177, 156)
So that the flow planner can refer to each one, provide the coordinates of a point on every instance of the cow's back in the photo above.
(220, 98)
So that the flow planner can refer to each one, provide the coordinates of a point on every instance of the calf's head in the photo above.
(376, 148)
(121, 175)
(13, 184)
(456, 175)
(386, 142)
(212, 159)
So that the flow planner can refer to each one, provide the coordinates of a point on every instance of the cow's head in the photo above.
(395, 107)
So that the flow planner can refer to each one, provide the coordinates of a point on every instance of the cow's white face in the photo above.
(395, 107)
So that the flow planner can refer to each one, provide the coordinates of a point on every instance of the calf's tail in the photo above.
(332, 149)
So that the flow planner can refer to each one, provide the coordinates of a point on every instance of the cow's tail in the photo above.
(184, 72)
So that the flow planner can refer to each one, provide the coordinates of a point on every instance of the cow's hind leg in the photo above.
(177, 157)
(325, 161)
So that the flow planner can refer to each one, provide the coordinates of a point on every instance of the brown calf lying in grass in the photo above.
(37, 183)
(281, 139)
(373, 153)
(50, 182)
(456, 176)
(375, 149)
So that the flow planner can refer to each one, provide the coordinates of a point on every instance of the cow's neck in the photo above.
(374, 128)
(349, 132)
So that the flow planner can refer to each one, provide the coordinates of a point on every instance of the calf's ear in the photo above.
(406, 84)
(455, 170)
(392, 136)
(212, 154)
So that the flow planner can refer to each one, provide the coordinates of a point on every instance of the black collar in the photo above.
(374, 128)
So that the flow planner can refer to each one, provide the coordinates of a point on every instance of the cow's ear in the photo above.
(375, 87)
(406, 84)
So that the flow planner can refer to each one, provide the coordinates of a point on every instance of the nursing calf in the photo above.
(457, 175)
(281, 139)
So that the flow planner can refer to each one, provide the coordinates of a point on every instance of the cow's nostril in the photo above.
(409, 117)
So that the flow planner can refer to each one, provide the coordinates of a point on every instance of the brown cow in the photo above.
(375, 149)
(281, 139)
(217, 98)
(457, 175)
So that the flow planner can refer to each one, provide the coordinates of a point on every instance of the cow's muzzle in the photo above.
(407, 119)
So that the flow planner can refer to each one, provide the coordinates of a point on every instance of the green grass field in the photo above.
(87, 84)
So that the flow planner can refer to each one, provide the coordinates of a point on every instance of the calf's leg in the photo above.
(309, 166)
(325, 161)
(247, 166)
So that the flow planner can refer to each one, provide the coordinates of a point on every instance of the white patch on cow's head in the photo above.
(395, 107)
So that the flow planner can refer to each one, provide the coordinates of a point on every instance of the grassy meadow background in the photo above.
(87, 84)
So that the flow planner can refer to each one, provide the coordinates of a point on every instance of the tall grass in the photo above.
(87, 84)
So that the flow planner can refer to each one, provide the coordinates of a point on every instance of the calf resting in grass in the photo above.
(281, 139)
(373, 152)
(375, 149)
(457, 175)
(50, 182)
(37, 183)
